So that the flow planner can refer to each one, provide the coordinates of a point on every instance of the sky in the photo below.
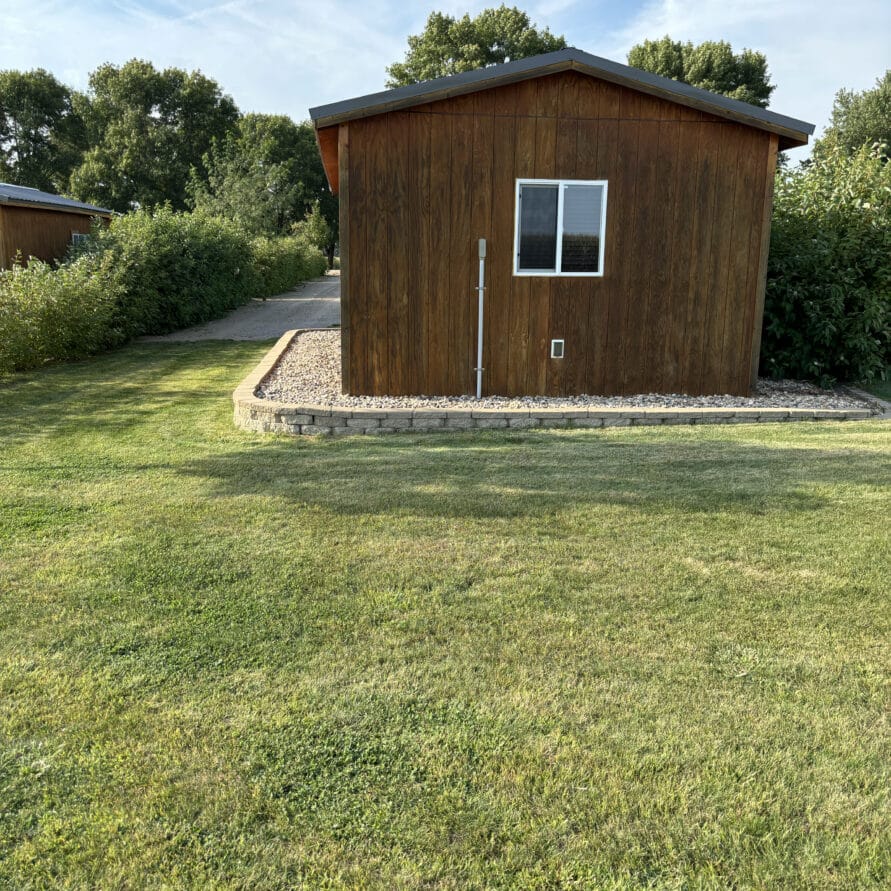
(284, 56)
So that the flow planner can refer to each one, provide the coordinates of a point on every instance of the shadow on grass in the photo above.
(505, 475)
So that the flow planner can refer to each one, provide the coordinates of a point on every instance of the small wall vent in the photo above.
(556, 349)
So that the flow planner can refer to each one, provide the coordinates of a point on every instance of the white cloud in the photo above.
(813, 47)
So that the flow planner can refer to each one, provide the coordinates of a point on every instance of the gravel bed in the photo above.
(309, 373)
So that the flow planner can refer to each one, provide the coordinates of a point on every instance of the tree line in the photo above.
(141, 137)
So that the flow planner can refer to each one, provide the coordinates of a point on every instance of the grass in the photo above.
(562, 659)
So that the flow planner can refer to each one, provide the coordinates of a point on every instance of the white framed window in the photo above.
(560, 227)
(79, 237)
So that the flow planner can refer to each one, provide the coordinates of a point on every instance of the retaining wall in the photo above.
(253, 413)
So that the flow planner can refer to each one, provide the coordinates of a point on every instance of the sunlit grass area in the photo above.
(616, 658)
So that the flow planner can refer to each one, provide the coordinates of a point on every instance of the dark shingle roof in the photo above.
(22, 195)
(792, 132)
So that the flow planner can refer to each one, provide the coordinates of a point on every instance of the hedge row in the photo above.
(144, 274)
(827, 312)
(49, 314)
(279, 263)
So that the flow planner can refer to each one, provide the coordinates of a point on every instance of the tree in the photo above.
(41, 133)
(711, 65)
(860, 119)
(450, 45)
(315, 229)
(251, 175)
(147, 129)
(265, 175)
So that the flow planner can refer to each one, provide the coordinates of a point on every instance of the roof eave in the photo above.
(60, 208)
(791, 132)
(429, 91)
(789, 135)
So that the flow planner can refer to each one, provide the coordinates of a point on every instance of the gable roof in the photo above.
(23, 196)
(791, 131)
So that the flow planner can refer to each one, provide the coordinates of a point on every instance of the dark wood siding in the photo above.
(679, 306)
(45, 234)
(343, 150)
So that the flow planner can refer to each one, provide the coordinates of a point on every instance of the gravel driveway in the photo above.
(314, 304)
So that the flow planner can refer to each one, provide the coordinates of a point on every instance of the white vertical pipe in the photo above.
(479, 329)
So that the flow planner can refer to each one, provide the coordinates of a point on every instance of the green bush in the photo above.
(147, 273)
(281, 263)
(182, 269)
(827, 313)
(177, 269)
(50, 315)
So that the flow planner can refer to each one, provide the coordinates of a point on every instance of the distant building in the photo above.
(40, 224)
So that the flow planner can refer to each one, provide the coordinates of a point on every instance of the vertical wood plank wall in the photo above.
(678, 308)
(45, 234)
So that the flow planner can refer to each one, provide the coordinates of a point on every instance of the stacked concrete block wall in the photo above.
(264, 415)
(314, 420)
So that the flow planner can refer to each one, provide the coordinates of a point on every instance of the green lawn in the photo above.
(615, 658)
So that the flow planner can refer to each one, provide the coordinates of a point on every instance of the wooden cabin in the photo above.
(40, 224)
(626, 219)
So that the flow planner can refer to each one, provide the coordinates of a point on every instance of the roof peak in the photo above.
(792, 132)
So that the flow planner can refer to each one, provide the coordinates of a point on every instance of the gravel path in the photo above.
(309, 373)
(314, 304)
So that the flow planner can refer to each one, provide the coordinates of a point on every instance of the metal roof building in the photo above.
(23, 196)
(40, 224)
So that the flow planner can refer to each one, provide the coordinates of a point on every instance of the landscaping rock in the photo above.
(309, 374)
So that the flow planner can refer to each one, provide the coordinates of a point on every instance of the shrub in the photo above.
(827, 313)
(177, 269)
(147, 273)
(280, 263)
(49, 314)
(314, 228)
